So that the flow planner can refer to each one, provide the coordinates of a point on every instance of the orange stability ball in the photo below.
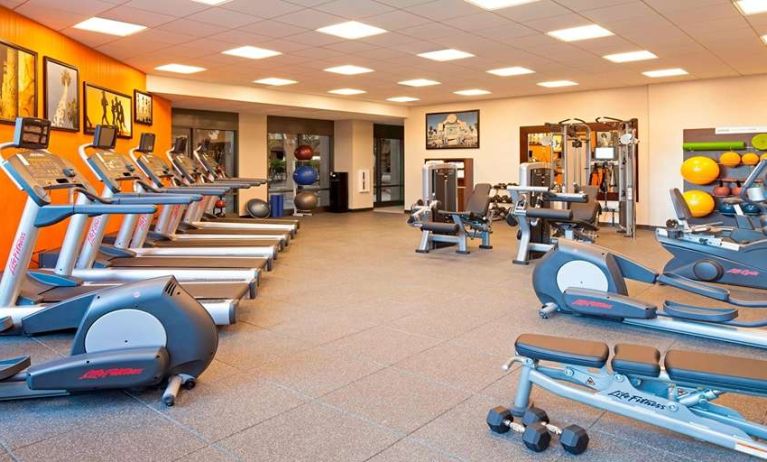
(700, 202)
(729, 159)
(700, 170)
(750, 159)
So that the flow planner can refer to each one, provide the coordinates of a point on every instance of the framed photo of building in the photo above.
(61, 95)
(18, 92)
(452, 130)
(142, 107)
(107, 107)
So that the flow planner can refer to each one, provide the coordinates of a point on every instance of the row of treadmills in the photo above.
(167, 229)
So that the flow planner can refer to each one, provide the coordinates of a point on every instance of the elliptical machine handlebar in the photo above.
(758, 194)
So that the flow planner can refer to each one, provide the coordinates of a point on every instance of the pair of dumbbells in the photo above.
(536, 430)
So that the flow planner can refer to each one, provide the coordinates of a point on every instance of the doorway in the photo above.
(388, 170)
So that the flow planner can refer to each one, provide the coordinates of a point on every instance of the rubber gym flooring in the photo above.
(359, 349)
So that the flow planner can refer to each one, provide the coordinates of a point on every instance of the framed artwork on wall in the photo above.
(452, 130)
(107, 107)
(61, 95)
(142, 107)
(18, 92)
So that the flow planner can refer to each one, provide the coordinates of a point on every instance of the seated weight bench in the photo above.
(471, 224)
(676, 394)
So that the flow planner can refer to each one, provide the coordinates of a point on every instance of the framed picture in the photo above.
(142, 107)
(61, 95)
(452, 130)
(18, 92)
(107, 107)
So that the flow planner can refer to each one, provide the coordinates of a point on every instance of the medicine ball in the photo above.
(304, 152)
(700, 170)
(258, 208)
(749, 208)
(726, 209)
(305, 200)
(305, 175)
(700, 202)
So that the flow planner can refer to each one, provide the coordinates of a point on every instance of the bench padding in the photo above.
(440, 228)
(717, 370)
(636, 360)
(563, 350)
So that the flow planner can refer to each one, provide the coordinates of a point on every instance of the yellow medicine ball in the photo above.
(750, 159)
(700, 202)
(729, 159)
(700, 170)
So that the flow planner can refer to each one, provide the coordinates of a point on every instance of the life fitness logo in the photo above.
(101, 374)
(592, 304)
(143, 221)
(13, 263)
(637, 399)
(743, 272)
(94, 228)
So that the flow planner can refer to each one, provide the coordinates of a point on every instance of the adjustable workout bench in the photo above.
(471, 224)
(678, 396)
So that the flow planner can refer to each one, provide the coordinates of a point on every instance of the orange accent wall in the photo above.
(95, 68)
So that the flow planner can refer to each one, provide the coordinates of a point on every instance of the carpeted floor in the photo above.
(359, 349)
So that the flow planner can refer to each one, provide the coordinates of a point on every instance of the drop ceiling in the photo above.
(708, 38)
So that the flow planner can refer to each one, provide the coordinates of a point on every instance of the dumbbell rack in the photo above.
(499, 196)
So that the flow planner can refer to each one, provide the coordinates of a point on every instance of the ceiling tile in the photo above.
(354, 9)
(223, 17)
(178, 8)
(262, 8)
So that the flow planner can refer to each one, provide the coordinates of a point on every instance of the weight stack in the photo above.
(339, 192)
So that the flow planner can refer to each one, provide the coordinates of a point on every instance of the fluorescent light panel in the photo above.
(275, 81)
(349, 69)
(557, 83)
(630, 56)
(448, 54)
(180, 68)
(402, 99)
(749, 7)
(251, 52)
(510, 71)
(108, 26)
(472, 92)
(351, 30)
(419, 83)
(347, 91)
(498, 4)
(573, 34)
(666, 73)
(764, 38)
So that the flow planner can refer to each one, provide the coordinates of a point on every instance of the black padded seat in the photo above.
(563, 350)
(479, 201)
(717, 371)
(587, 212)
(440, 228)
(681, 208)
(636, 360)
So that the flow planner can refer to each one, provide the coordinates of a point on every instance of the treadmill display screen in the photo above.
(104, 137)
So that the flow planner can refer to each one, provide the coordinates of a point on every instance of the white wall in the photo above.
(252, 155)
(663, 110)
(352, 152)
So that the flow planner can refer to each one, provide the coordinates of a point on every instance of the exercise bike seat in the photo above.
(636, 360)
(563, 350)
(712, 370)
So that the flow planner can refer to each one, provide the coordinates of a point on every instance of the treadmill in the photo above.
(37, 172)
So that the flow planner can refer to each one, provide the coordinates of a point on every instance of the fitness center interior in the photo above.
(383, 230)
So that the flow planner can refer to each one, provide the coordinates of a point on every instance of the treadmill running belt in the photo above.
(216, 243)
(188, 262)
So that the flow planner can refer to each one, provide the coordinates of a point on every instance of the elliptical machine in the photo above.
(136, 335)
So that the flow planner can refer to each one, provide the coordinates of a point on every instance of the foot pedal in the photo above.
(11, 367)
(698, 313)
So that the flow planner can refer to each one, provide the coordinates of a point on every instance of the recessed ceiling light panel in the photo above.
(251, 52)
(472, 92)
(180, 68)
(666, 73)
(351, 30)
(347, 91)
(275, 81)
(108, 26)
(498, 4)
(749, 7)
(557, 83)
(573, 34)
(402, 99)
(419, 82)
(348, 69)
(631, 56)
(448, 54)
(511, 71)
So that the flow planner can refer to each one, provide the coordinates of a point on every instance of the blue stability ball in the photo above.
(305, 175)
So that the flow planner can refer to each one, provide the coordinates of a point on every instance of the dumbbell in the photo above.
(536, 430)
(573, 438)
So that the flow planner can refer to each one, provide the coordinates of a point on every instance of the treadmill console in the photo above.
(155, 168)
(186, 166)
(210, 163)
(146, 143)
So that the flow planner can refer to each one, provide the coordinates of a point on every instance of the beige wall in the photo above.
(252, 161)
(663, 111)
(352, 152)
